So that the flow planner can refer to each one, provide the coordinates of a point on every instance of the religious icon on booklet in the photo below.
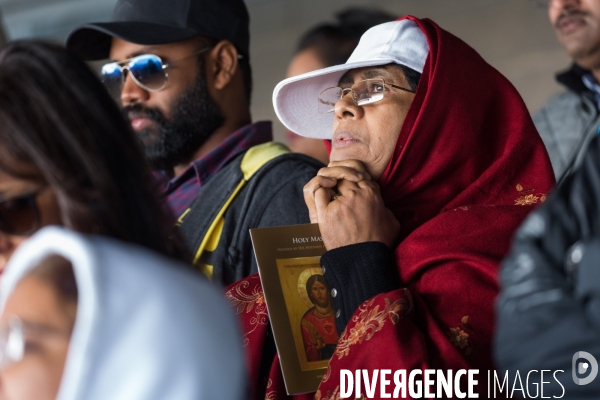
(298, 300)
(309, 310)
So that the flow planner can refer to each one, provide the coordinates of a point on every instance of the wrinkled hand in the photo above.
(350, 170)
(328, 177)
(357, 214)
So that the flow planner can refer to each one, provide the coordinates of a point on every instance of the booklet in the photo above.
(298, 301)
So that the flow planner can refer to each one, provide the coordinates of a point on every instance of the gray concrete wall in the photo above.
(512, 35)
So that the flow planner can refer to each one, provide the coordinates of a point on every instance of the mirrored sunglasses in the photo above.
(147, 70)
(19, 215)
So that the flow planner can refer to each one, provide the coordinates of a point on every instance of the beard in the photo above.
(194, 118)
(322, 302)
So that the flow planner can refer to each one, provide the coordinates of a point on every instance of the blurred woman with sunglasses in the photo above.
(67, 156)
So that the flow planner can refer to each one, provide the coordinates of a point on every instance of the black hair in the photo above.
(58, 272)
(412, 77)
(57, 116)
(334, 43)
(311, 281)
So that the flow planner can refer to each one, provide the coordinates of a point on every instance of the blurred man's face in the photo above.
(173, 123)
(577, 26)
(306, 61)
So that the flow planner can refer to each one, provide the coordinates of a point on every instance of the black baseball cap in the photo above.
(151, 22)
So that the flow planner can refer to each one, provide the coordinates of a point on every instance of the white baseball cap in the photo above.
(295, 99)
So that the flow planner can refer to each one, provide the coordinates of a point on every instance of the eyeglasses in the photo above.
(147, 70)
(15, 335)
(12, 341)
(363, 92)
(20, 215)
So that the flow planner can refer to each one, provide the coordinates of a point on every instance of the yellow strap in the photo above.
(213, 241)
(207, 270)
(258, 156)
(252, 161)
(215, 222)
(182, 216)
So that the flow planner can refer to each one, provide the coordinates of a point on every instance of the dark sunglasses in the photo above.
(20, 215)
(147, 70)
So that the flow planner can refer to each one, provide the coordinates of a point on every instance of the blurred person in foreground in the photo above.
(549, 307)
(91, 318)
(181, 70)
(571, 119)
(68, 157)
(431, 172)
(326, 45)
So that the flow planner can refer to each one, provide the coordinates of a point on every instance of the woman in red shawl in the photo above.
(435, 162)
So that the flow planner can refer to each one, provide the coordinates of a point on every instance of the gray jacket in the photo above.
(568, 122)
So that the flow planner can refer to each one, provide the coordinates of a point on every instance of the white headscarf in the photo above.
(146, 328)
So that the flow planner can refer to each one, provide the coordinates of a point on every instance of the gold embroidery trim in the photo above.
(335, 395)
(370, 321)
(270, 395)
(529, 198)
(246, 303)
(459, 337)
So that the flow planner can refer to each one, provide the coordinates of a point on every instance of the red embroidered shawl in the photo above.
(467, 167)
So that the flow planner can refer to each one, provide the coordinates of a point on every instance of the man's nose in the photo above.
(132, 93)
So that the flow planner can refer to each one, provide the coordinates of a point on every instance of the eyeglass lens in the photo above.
(12, 342)
(147, 71)
(363, 92)
(18, 216)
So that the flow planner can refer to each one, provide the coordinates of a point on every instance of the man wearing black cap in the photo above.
(182, 72)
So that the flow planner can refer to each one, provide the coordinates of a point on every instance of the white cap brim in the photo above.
(296, 99)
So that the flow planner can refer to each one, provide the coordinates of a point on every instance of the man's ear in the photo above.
(225, 63)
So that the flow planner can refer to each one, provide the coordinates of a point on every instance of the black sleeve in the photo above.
(355, 273)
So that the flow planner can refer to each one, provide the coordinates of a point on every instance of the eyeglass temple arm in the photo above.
(166, 65)
(399, 87)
